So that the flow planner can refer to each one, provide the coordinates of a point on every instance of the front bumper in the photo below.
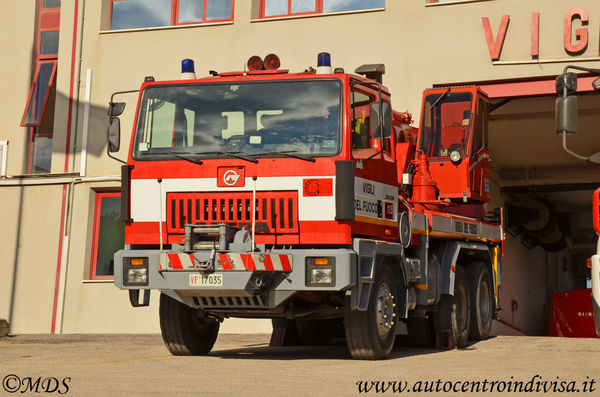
(236, 286)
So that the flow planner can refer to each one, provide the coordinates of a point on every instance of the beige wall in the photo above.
(30, 239)
(420, 46)
(16, 72)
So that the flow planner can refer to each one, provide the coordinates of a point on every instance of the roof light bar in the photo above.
(187, 70)
(272, 62)
(255, 63)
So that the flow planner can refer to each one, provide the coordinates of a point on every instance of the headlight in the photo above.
(455, 156)
(135, 271)
(320, 271)
(321, 276)
(137, 276)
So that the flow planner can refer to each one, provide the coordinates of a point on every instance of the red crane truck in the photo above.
(304, 198)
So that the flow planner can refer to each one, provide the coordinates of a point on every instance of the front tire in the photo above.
(453, 312)
(480, 285)
(370, 334)
(184, 331)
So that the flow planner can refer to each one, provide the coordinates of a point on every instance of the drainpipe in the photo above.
(77, 103)
(63, 245)
(86, 124)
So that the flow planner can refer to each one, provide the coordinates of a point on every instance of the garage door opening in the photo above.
(546, 194)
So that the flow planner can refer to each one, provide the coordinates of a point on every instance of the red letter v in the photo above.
(495, 46)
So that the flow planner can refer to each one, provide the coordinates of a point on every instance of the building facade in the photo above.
(60, 190)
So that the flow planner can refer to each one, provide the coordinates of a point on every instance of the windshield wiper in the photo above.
(444, 95)
(191, 160)
(237, 155)
(289, 153)
(184, 155)
(179, 155)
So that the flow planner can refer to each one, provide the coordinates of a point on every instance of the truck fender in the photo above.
(372, 254)
(459, 253)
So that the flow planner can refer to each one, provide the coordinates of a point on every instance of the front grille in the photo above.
(276, 212)
(256, 302)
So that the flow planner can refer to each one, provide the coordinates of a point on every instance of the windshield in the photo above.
(446, 124)
(206, 120)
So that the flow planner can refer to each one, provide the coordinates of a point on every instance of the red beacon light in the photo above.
(255, 63)
(272, 62)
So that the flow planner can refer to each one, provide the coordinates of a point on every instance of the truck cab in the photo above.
(453, 136)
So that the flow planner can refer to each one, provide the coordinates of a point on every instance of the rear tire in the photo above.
(184, 331)
(453, 312)
(370, 334)
(480, 286)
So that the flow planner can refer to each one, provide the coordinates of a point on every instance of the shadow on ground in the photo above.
(337, 350)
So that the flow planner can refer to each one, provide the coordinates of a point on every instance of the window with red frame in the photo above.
(108, 235)
(132, 14)
(39, 94)
(39, 110)
(279, 8)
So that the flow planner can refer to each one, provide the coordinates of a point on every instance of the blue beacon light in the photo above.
(324, 59)
(324, 63)
(187, 69)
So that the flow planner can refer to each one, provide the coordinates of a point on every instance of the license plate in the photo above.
(209, 280)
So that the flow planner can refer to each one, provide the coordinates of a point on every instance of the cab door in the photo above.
(479, 158)
(375, 186)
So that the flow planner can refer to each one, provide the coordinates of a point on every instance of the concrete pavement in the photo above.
(244, 365)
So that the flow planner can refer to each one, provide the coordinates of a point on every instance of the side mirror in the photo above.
(115, 109)
(375, 120)
(387, 120)
(379, 111)
(566, 114)
(114, 135)
(566, 103)
(568, 81)
(596, 84)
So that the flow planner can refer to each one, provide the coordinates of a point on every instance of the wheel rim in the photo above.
(461, 309)
(384, 315)
(484, 300)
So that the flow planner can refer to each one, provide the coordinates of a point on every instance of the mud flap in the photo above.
(134, 298)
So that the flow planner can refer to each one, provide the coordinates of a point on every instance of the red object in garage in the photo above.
(572, 314)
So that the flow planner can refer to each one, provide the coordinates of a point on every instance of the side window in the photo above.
(455, 123)
(359, 116)
(481, 132)
(170, 125)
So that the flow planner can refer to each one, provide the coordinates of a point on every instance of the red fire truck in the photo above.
(304, 198)
(595, 262)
